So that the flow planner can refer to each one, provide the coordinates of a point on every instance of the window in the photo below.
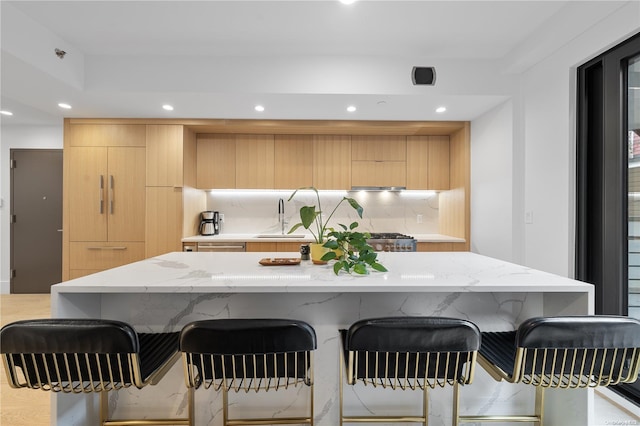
(608, 183)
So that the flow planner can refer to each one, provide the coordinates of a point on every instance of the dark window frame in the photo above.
(601, 183)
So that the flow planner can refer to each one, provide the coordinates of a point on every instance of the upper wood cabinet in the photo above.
(254, 161)
(378, 161)
(106, 135)
(378, 148)
(293, 161)
(332, 162)
(428, 162)
(106, 193)
(216, 161)
(164, 155)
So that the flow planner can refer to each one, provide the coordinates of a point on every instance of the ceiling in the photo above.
(300, 59)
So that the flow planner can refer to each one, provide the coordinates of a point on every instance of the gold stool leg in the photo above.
(341, 378)
(191, 407)
(456, 404)
(540, 405)
(104, 407)
(225, 405)
(425, 404)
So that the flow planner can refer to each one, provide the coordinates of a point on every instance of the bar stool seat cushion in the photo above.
(408, 337)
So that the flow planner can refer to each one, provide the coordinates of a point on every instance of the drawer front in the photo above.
(104, 255)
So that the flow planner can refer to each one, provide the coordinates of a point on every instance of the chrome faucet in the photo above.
(281, 213)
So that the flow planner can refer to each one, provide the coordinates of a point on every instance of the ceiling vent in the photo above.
(423, 76)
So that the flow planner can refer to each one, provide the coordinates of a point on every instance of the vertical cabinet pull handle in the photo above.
(101, 192)
(111, 194)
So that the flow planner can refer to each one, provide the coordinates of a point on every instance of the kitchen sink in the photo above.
(281, 236)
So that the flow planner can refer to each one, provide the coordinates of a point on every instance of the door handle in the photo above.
(107, 248)
(111, 193)
(101, 193)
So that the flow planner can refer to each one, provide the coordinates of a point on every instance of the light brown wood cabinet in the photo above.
(170, 196)
(216, 161)
(332, 161)
(378, 161)
(428, 162)
(278, 246)
(254, 161)
(106, 193)
(293, 161)
(104, 217)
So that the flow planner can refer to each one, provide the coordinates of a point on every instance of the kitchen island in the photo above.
(166, 292)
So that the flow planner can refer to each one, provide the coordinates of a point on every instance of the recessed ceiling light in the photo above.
(347, 1)
(65, 106)
(351, 108)
(259, 108)
(167, 107)
(3, 112)
(441, 109)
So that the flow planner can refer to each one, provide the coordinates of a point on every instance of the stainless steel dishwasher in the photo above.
(220, 246)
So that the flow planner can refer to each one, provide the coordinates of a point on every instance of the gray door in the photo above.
(36, 228)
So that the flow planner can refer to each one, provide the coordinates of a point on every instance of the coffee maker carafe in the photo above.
(209, 223)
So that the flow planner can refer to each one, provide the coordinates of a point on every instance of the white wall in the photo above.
(544, 120)
(13, 137)
(492, 184)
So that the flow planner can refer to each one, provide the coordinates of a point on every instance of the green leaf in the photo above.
(336, 267)
(332, 244)
(343, 226)
(308, 214)
(378, 267)
(294, 227)
(353, 225)
(360, 268)
(356, 206)
(330, 255)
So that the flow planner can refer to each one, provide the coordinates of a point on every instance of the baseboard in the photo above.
(5, 287)
(622, 403)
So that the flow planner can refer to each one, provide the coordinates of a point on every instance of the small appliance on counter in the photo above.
(209, 223)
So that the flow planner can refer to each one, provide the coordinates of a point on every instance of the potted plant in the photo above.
(351, 251)
(311, 219)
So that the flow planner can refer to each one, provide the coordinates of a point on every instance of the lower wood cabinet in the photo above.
(424, 246)
(279, 246)
(93, 256)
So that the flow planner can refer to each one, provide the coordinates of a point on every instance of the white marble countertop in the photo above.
(303, 238)
(182, 272)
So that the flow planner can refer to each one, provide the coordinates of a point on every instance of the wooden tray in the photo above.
(279, 261)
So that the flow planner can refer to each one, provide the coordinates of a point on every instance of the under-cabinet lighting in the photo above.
(167, 107)
(347, 1)
(3, 112)
(351, 108)
(270, 192)
(441, 109)
(63, 105)
(259, 108)
(417, 194)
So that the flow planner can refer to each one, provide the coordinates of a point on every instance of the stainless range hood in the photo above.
(378, 188)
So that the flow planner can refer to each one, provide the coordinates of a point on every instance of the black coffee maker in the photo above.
(209, 223)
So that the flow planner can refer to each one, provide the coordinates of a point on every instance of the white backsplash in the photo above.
(257, 211)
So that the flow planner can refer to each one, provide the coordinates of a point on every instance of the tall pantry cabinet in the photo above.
(128, 188)
(104, 206)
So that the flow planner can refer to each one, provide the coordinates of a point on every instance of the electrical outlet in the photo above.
(528, 217)
(419, 218)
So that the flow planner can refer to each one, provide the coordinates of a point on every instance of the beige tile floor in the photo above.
(22, 408)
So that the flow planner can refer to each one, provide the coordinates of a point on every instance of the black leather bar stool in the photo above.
(85, 356)
(408, 353)
(561, 352)
(249, 355)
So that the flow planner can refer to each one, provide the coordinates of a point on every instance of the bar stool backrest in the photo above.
(248, 354)
(411, 352)
(575, 352)
(71, 355)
